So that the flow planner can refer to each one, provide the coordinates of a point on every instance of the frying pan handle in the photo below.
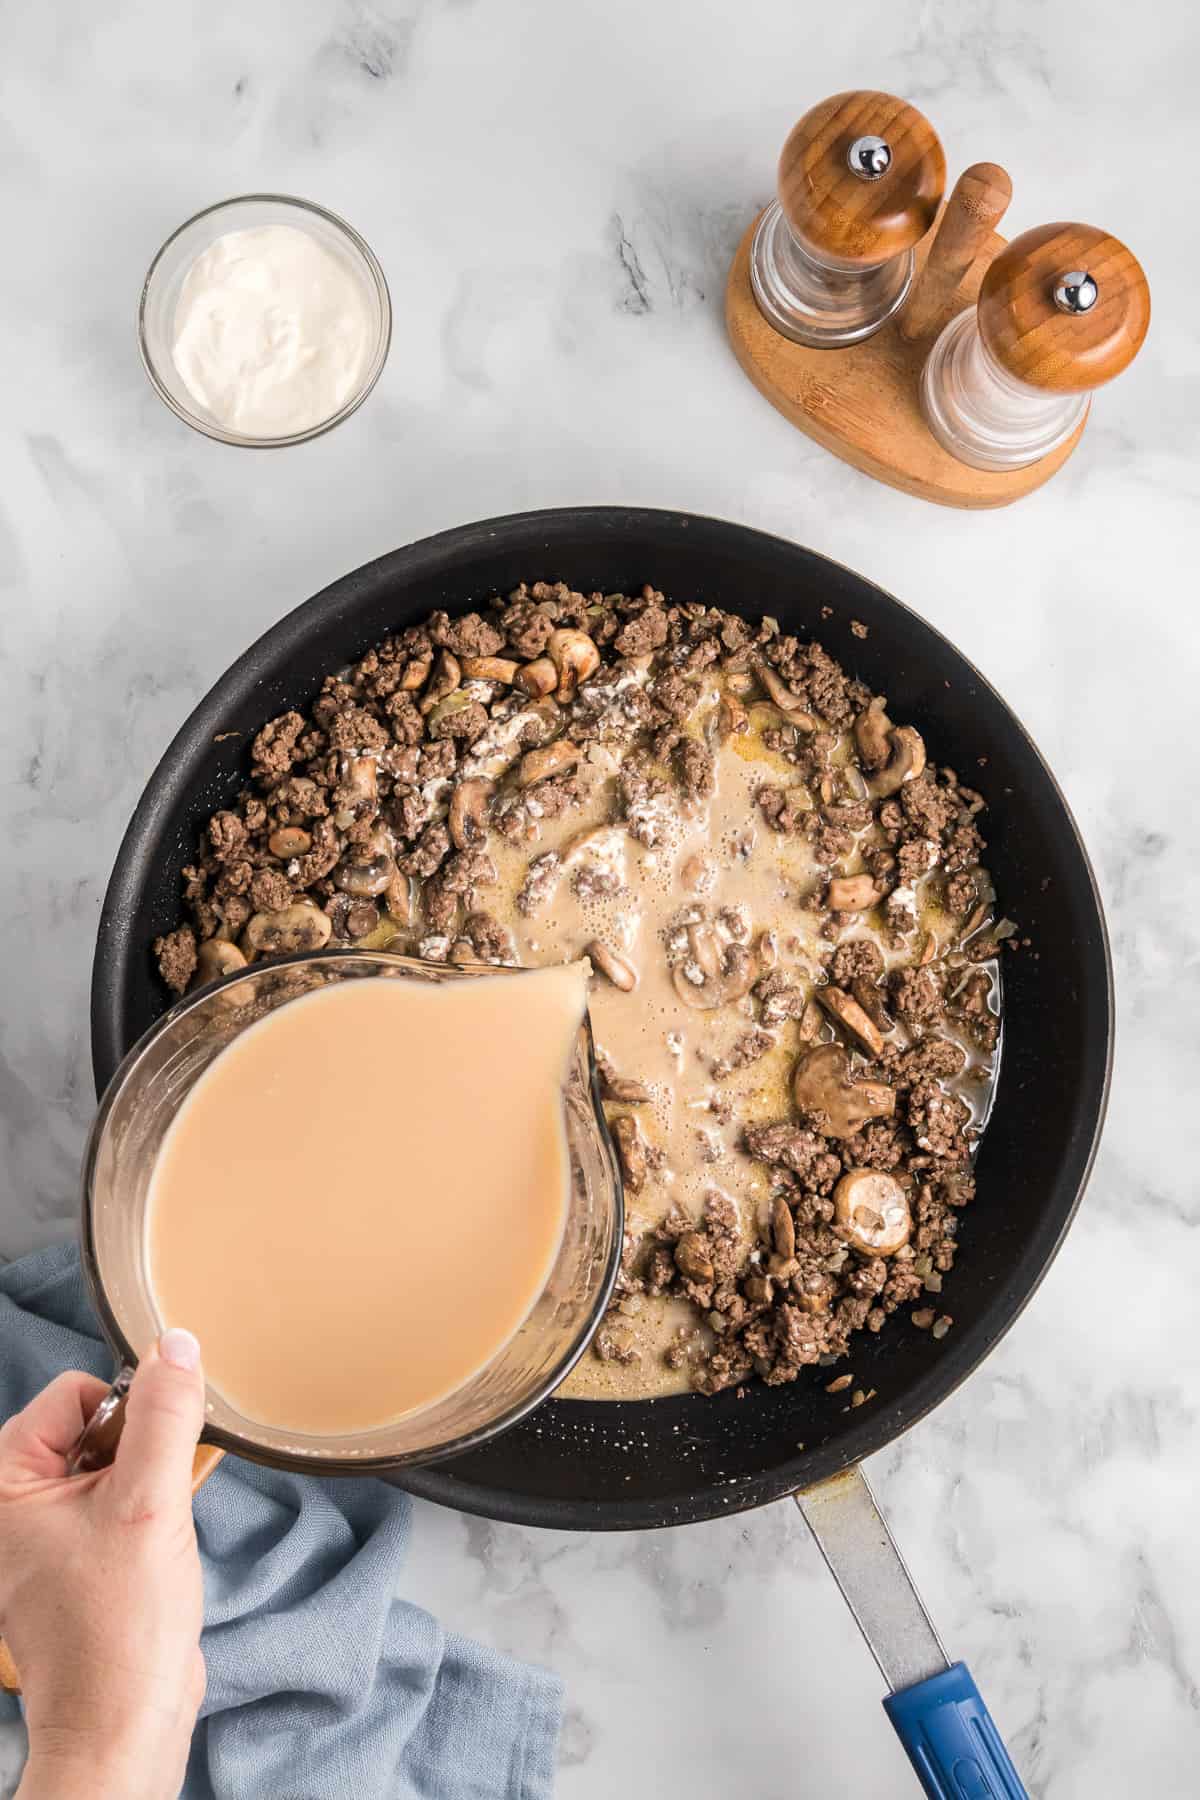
(95, 1449)
(951, 1740)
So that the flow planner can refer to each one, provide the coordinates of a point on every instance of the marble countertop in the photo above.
(555, 193)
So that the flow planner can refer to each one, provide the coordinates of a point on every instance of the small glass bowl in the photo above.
(166, 275)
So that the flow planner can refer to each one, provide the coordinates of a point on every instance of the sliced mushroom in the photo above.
(216, 958)
(814, 1299)
(537, 678)
(490, 668)
(398, 899)
(732, 717)
(870, 998)
(809, 1028)
(622, 974)
(906, 762)
(872, 734)
(783, 697)
(783, 1228)
(289, 841)
(631, 1148)
(468, 812)
(575, 657)
(852, 1019)
(692, 1258)
(624, 1089)
(416, 674)
(447, 674)
(367, 869)
(288, 931)
(871, 1209)
(726, 972)
(852, 893)
(552, 759)
(357, 791)
(823, 1090)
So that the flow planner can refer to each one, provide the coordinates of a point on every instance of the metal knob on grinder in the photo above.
(1062, 310)
(861, 178)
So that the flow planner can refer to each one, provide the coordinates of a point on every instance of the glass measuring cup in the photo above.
(142, 1101)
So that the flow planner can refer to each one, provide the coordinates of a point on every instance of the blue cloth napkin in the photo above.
(320, 1684)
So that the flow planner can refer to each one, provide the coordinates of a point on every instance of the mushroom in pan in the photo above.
(823, 1091)
(871, 1210)
(714, 973)
(575, 657)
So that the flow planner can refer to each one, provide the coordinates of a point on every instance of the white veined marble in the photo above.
(555, 191)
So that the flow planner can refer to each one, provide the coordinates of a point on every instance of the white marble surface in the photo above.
(555, 191)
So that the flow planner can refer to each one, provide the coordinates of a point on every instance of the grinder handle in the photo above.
(976, 206)
(94, 1449)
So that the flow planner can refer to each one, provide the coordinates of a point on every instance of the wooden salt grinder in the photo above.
(860, 181)
(1061, 311)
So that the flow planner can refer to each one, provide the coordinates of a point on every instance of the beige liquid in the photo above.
(363, 1195)
(651, 1034)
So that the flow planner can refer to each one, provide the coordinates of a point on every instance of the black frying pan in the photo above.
(666, 1462)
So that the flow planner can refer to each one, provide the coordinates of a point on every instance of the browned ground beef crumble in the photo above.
(339, 829)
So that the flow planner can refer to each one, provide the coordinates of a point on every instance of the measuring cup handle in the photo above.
(93, 1449)
(951, 1740)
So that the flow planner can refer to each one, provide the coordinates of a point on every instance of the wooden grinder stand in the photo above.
(862, 400)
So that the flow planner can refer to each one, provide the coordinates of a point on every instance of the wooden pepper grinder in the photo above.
(1061, 311)
(860, 182)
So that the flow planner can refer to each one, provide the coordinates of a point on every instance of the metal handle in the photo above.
(934, 1706)
(951, 1740)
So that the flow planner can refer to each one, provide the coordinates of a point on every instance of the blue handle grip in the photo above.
(951, 1740)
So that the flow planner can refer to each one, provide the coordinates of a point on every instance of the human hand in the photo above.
(100, 1591)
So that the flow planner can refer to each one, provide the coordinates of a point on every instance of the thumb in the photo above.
(164, 1415)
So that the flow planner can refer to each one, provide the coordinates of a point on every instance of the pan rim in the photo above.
(974, 1340)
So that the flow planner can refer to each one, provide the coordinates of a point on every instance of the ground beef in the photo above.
(274, 749)
(491, 941)
(960, 894)
(694, 769)
(354, 728)
(779, 998)
(676, 696)
(858, 958)
(527, 631)
(540, 878)
(270, 891)
(593, 883)
(467, 722)
(408, 727)
(784, 809)
(749, 1048)
(971, 1009)
(228, 837)
(772, 1304)
(917, 996)
(428, 853)
(641, 634)
(806, 1153)
(937, 1118)
(176, 955)
(467, 636)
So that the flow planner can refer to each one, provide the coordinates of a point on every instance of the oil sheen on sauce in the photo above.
(718, 856)
(302, 1201)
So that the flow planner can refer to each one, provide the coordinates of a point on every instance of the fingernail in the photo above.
(179, 1348)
